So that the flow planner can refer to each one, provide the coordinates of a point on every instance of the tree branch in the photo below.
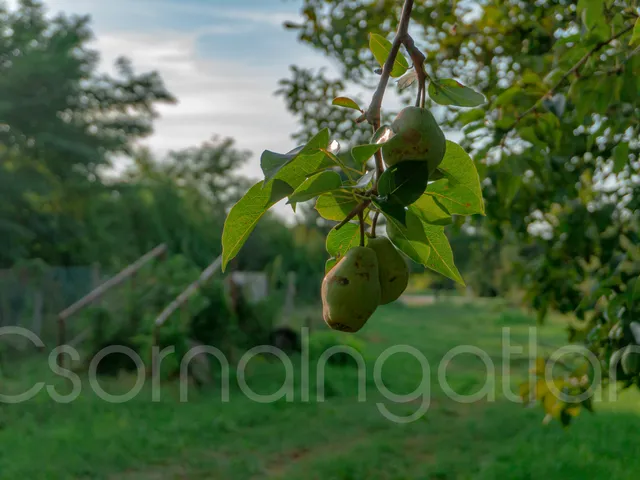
(575, 69)
(372, 115)
(373, 112)
(356, 211)
(418, 58)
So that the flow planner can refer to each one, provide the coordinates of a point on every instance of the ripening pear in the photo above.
(417, 137)
(392, 269)
(351, 290)
(631, 360)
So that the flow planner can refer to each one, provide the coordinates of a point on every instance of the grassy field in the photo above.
(340, 438)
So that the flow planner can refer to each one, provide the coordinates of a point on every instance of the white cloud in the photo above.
(215, 96)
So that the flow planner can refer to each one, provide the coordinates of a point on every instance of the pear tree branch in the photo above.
(575, 69)
(372, 114)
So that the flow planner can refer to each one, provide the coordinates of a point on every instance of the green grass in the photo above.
(340, 438)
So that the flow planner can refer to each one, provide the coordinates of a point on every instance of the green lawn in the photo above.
(340, 438)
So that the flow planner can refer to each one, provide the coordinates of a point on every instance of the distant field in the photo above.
(340, 438)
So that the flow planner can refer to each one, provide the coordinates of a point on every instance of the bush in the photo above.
(320, 342)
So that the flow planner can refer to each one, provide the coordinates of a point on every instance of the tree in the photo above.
(61, 123)
(555, 144)
(425, 182)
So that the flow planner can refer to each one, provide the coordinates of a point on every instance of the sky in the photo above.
(222, 59)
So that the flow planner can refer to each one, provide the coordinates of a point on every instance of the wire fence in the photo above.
(32, 299)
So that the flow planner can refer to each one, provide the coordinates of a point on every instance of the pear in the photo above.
(351, 290)
(417, 137)
(392, 269)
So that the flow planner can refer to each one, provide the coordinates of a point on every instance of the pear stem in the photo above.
(361, 218)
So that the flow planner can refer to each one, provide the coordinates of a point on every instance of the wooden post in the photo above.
(190, 290)
(112, 282)
(62, 337)
(38, 303)
(97, 293)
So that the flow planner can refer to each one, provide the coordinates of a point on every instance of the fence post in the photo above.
(38, 305)
(62, 338)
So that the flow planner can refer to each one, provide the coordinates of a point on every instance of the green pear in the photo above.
(417, 137)
(392, 269)
(351, 290)
(631, 360)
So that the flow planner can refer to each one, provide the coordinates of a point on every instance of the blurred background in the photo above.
(129, 128)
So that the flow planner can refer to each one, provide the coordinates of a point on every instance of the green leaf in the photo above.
(410, 238)
(404, 182)
(635, 36)
(254, 204)
(452, 92)
(333, 206)
(380, 47)
(529, 134)
(620, 157)
(362, 153)
(346, 102)
(313, 186)
(391, 210)
(340, 241)
(592, 12)
(271, 162)
(441, 258)
(460, 192)
(363, 181)
(508, 185)
(430, 211)
(424, 243)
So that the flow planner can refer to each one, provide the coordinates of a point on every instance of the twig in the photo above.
(575, 69)
(418, 58)
(373, 112)
(358, 209)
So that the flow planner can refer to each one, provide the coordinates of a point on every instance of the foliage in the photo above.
(350, 437)
(555, 144)
(320, 342)
(62, 122)
(414, 211)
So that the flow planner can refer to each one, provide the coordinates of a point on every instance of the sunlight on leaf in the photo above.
(313, 186)
(460, 192)
(407, 80)
(272, 162)
(380, 47)
(346, 102)
(335, 207)
(340, 241)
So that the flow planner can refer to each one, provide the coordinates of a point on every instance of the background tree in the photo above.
(61, 122)
(556, 144)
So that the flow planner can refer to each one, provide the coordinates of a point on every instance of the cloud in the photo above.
(215, 97)
(223, 87)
